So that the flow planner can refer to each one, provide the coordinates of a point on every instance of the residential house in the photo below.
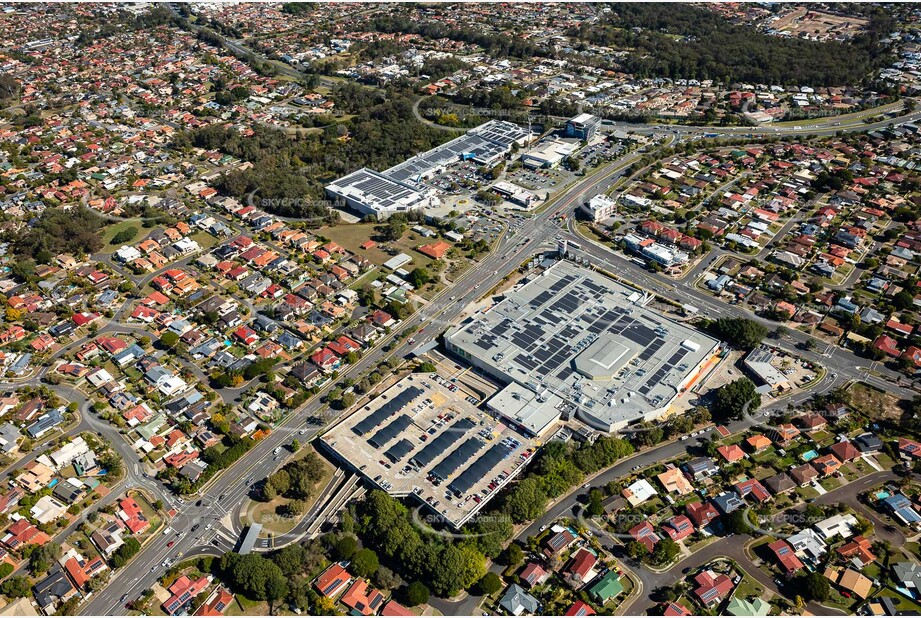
(701, 513)
(674, 481)
(712, 588)
(533, 575)
(516, 601)
(606, 588)
(853, 582)
(786, 558)
(333, 581)
(362, 598)
(701, 468)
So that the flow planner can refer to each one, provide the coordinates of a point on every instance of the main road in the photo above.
(193, 525)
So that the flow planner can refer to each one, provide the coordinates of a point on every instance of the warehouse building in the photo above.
(548, 154)
(372, 193)
(760, 362)
(515, 194)
(571, 341)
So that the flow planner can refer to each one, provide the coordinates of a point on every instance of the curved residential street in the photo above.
(198, 527)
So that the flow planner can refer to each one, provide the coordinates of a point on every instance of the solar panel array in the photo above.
(501, 132)
(399, 450)
(386, 411)
(385, 192)
(538, 334)
(458, 457)
(479, 469)
(391, 431)
(489, 140)
(445, 440)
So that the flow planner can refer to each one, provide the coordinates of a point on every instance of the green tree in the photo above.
(387, 579)
(346, 547)
(737, 522)
(42, 558)
(290, 559)
(16, 587)
(637, 550)
(276, 589)
(394, 228)
(169, 339)
(666, 551)
(814, 586)
(125, 235)
(419, 276)
(492, 531)
(526, 501)
(125, 552)
(513, 555)
(595, 506)
(489, 584)
(365, 562)
(417, 593)
(254, 576)
(741, 332)
(735, 399)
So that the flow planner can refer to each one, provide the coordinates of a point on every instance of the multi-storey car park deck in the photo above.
(572, 339)
(425, 437)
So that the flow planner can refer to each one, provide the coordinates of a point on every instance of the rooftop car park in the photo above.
(425, 436)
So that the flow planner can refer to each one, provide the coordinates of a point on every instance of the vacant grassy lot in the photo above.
(351, 236)
(109, 233)
(874, 403)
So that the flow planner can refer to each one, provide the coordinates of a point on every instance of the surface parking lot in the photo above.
(600, 152)
(457, 179)
(425, 436)
(540, 180)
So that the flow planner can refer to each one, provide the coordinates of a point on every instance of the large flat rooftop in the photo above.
(372, 190)
(425, 436)
(481, 144)
(576, 338)
(400, 188)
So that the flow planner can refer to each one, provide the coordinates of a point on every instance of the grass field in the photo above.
(748, 588)
(242, 606)
(204, 239)
(265, 512)
(351, 236)
(112, 230)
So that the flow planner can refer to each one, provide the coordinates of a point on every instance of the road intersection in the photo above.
(196, 518)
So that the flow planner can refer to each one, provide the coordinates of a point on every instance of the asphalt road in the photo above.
(232, 486)
(734, 547)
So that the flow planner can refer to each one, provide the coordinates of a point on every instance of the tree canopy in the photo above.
(384, 523)
(735, 399)
(696, 43)
(254, 576)
(58, 231)
(741, 332)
